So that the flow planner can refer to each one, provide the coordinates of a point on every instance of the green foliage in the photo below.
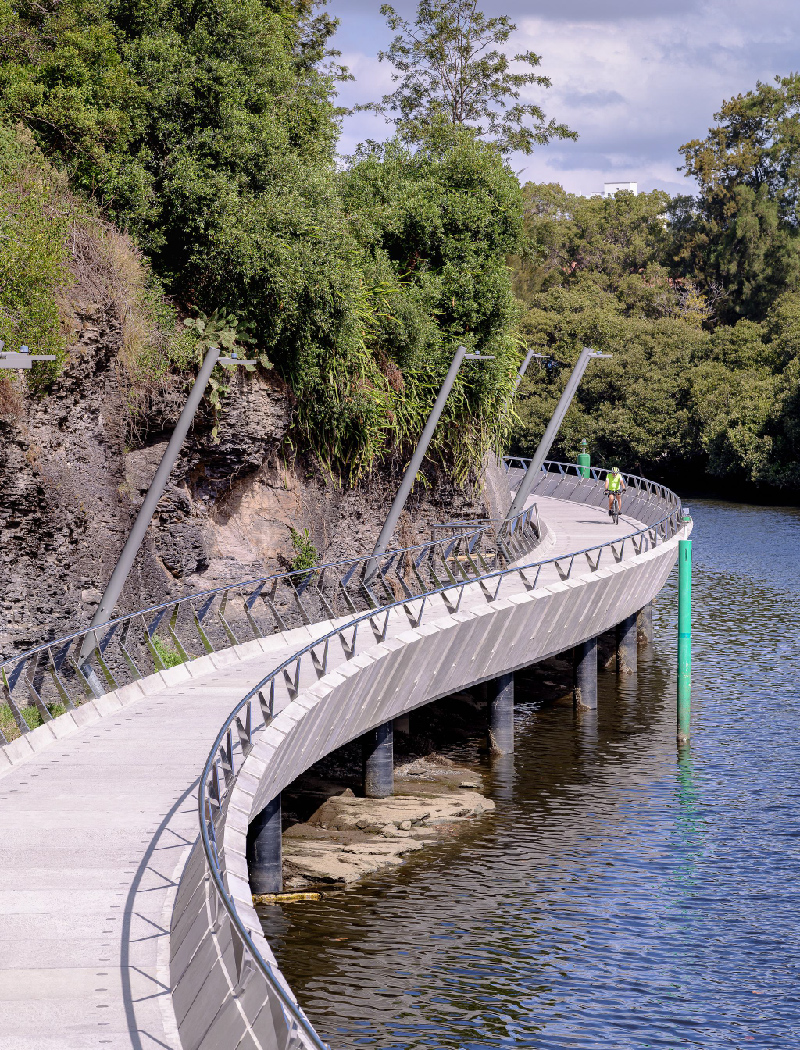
(681, 398)
(740, 236)
(34, 220)
(167, 654)
(756, 142)
(451, 66)
(435, 227)
(31, 715)
(222, 329)
(162, 110)
(617, 243)
(306, 554)
(207, 130)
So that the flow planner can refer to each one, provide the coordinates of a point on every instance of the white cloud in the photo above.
(635, 81)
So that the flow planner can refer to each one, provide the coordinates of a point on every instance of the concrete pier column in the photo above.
(264, 859)
(377, 754)
(646, 625)
(502, 777)
(627, 648)
(500, 694)
(584, 674)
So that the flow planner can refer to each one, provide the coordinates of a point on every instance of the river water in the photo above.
(624, 893)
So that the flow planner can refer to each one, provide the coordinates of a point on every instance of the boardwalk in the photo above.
(96, 829)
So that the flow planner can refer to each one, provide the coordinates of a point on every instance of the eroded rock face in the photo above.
(70, 488)
(349, 837)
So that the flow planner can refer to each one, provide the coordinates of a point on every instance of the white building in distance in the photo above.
(610, 188)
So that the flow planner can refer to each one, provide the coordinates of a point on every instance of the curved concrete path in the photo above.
(96, 827)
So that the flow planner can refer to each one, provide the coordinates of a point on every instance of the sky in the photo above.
(636, 80)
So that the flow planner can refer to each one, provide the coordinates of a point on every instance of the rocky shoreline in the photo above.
(332, 838)
(348, 837)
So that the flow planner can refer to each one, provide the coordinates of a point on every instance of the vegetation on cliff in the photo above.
(184, 156)
(207, 133)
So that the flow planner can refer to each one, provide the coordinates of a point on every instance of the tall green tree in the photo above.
(682, 399)
(450, 64)
(164, 110)
(739, 237)
(436, 224)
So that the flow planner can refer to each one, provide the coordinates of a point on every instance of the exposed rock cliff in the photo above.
(70, 488)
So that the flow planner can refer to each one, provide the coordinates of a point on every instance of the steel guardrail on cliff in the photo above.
(256, 710)
(51, 678)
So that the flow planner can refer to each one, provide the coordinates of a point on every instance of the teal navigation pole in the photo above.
(684, 640)
(585, 460)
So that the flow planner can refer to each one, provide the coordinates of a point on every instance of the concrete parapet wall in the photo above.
(381, 682)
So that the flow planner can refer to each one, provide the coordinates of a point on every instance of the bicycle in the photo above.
(615, 507)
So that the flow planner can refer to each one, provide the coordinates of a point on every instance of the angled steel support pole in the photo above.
(137, 534)
(416, 460)
(532, 473)
(523, 368)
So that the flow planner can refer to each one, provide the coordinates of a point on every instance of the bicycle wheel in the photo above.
(615, 512)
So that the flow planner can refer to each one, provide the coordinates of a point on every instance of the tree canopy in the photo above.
(208, 131)
(684, 397)
(740, 237)
(451, 64)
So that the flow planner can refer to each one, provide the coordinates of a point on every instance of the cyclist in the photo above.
(615, 486)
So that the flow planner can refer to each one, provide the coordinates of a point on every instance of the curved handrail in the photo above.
(344, 580)
(213, 790)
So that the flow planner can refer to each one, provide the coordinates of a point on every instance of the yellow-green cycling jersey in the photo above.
(614, 482)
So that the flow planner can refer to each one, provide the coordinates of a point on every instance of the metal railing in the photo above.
(256, 710)
(638, 486)
(51, 678)
(482, 554)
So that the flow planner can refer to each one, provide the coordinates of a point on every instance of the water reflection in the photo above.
(688, 823)
(502, 777)
(624, 894)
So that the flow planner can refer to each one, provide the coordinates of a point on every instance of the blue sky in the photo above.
(635, 79)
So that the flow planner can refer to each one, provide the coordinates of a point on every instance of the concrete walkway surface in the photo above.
(96, 827)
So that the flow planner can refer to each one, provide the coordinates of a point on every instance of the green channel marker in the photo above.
(684, 639)
(584, 460)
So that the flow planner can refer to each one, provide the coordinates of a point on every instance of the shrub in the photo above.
(306, 554)
(34, 222)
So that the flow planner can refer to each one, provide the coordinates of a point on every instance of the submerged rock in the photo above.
(349, 837)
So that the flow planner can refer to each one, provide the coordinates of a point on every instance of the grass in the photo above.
(31, 715)
(168, 654)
